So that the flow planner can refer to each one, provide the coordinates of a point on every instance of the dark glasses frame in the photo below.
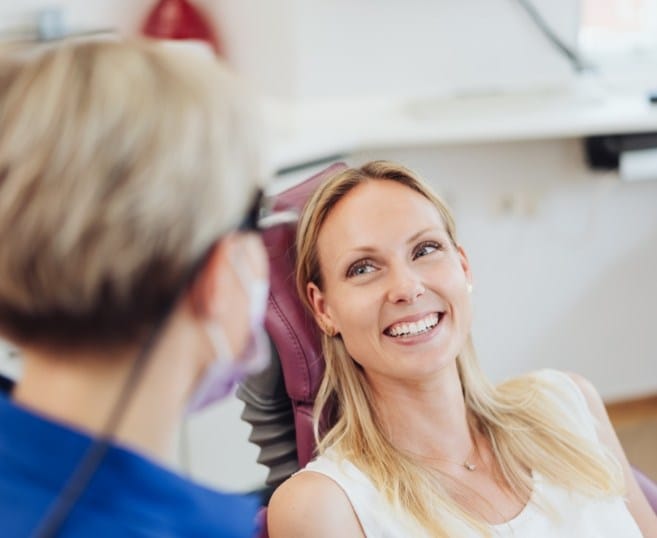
(261, 215)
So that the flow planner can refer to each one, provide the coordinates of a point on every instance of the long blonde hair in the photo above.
(522, 418)
(120, 164)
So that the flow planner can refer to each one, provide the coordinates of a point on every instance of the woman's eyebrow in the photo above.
(366, 249)
(346, 257)
(422, 232)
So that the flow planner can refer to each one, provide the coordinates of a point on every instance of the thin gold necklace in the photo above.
(468, 464)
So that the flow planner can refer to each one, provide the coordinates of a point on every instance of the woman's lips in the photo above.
(414, 327)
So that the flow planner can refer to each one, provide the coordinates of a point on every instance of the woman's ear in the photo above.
(320, 308)
(465, 264)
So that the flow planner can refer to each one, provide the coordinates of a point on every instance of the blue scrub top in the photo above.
(128, 496)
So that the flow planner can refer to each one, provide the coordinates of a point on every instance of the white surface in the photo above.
(219, 453)
(590, 106)
(312, 49)
(639, 165)
(19, 16)
(10, 363)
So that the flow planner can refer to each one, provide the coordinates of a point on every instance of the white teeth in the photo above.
(414, 328)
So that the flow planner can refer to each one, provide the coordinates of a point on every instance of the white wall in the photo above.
(564, 260)
(218, 451)
(123, 15)
(314, 49)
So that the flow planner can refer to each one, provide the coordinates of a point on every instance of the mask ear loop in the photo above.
(256, 289)
(242, 271)
(230, 366)
(217, 368)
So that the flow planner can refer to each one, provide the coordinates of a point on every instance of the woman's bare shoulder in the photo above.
(311, 504)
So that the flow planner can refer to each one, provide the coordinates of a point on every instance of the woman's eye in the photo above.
(426, 248)
(360, 268)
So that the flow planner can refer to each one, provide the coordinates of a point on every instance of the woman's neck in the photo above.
(82, 390)
(429, 420)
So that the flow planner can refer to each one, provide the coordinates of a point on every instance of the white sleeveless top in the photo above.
(578, 516)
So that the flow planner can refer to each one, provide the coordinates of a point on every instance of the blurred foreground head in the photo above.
(120, 165)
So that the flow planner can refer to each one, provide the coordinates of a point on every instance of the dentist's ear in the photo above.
(204, 296)
(321, 310)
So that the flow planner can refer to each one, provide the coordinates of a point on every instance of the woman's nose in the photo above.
(405, 285)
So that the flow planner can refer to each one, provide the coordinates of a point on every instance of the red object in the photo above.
(178, 19)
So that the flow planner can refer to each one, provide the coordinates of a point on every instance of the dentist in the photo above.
(130, 279)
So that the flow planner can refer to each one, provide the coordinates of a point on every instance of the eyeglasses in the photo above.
(261, 215)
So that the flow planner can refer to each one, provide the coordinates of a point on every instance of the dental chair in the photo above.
(279, 401)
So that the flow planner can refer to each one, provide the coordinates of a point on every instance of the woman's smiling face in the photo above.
(394, 285)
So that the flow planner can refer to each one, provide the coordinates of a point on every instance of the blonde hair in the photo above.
(522, 418)
(120, 164)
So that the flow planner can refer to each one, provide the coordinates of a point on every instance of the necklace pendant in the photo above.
(470, 466)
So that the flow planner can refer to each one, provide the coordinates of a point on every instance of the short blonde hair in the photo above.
(120, 164)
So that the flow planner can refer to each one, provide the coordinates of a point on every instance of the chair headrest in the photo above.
(292, 330)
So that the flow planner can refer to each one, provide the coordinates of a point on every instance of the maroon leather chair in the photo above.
(279, 402)
(292, 330)
(296, 346)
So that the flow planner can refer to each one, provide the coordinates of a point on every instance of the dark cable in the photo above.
(61, 507)
(93, 457)
(572, 56)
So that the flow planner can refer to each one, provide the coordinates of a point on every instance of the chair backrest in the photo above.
(279, 401)
(290, 327)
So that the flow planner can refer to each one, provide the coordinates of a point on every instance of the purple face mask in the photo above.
(227, 370)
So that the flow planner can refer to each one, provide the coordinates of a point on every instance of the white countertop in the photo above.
(591, 106)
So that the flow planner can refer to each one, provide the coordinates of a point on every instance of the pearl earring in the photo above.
(469, 287)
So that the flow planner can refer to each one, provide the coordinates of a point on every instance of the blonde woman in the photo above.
(421, 443)
(126, 173)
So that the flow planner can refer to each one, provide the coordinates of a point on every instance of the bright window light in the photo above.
(618, 28)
